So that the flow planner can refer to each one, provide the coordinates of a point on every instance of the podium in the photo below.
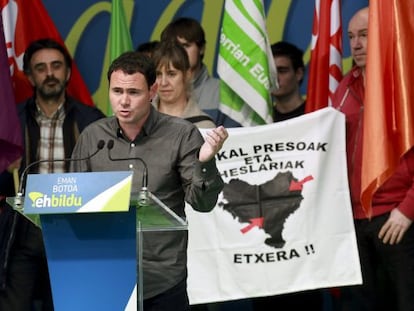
(92, 228)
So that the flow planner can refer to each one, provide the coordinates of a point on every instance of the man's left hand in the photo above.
(214, 140)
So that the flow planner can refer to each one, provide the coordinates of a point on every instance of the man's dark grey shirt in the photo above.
(169, 146)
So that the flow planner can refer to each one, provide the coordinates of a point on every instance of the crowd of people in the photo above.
(161, 94)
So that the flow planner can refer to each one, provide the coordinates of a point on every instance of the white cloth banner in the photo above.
(283, 222)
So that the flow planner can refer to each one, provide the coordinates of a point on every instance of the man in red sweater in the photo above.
(386, 239)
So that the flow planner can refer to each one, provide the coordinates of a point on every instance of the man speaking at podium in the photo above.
(181, 167)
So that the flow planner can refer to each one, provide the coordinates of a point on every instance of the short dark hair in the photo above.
(283, 48)
(147, 47)
(187, 28)
(45, 43)
(171, 52)
(134, 62)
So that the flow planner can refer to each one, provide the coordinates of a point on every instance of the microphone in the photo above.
(143, 196)
(18, 198)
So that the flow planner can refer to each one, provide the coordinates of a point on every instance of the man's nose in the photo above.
(125, 100)
(49, 71)
(355, 42)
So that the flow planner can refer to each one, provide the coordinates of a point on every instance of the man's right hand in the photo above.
(394, 228)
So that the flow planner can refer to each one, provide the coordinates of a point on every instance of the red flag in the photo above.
(24, 22)
(389, 94)
(10, 135)
(325, 69)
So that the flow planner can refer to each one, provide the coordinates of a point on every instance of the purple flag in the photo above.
(10, 135)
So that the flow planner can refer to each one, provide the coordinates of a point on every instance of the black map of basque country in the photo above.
(266, 206)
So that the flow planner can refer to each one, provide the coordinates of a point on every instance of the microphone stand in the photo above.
(144, 195)
(18, 200)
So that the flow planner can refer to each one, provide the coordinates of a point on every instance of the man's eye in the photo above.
(40, 68)
(57, 66)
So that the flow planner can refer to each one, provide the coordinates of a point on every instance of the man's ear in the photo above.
(30, 78)
(153, 90)
(69, 74)
(202, 51)
(299, 74)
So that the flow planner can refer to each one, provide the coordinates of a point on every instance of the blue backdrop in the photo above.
(84, 25)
